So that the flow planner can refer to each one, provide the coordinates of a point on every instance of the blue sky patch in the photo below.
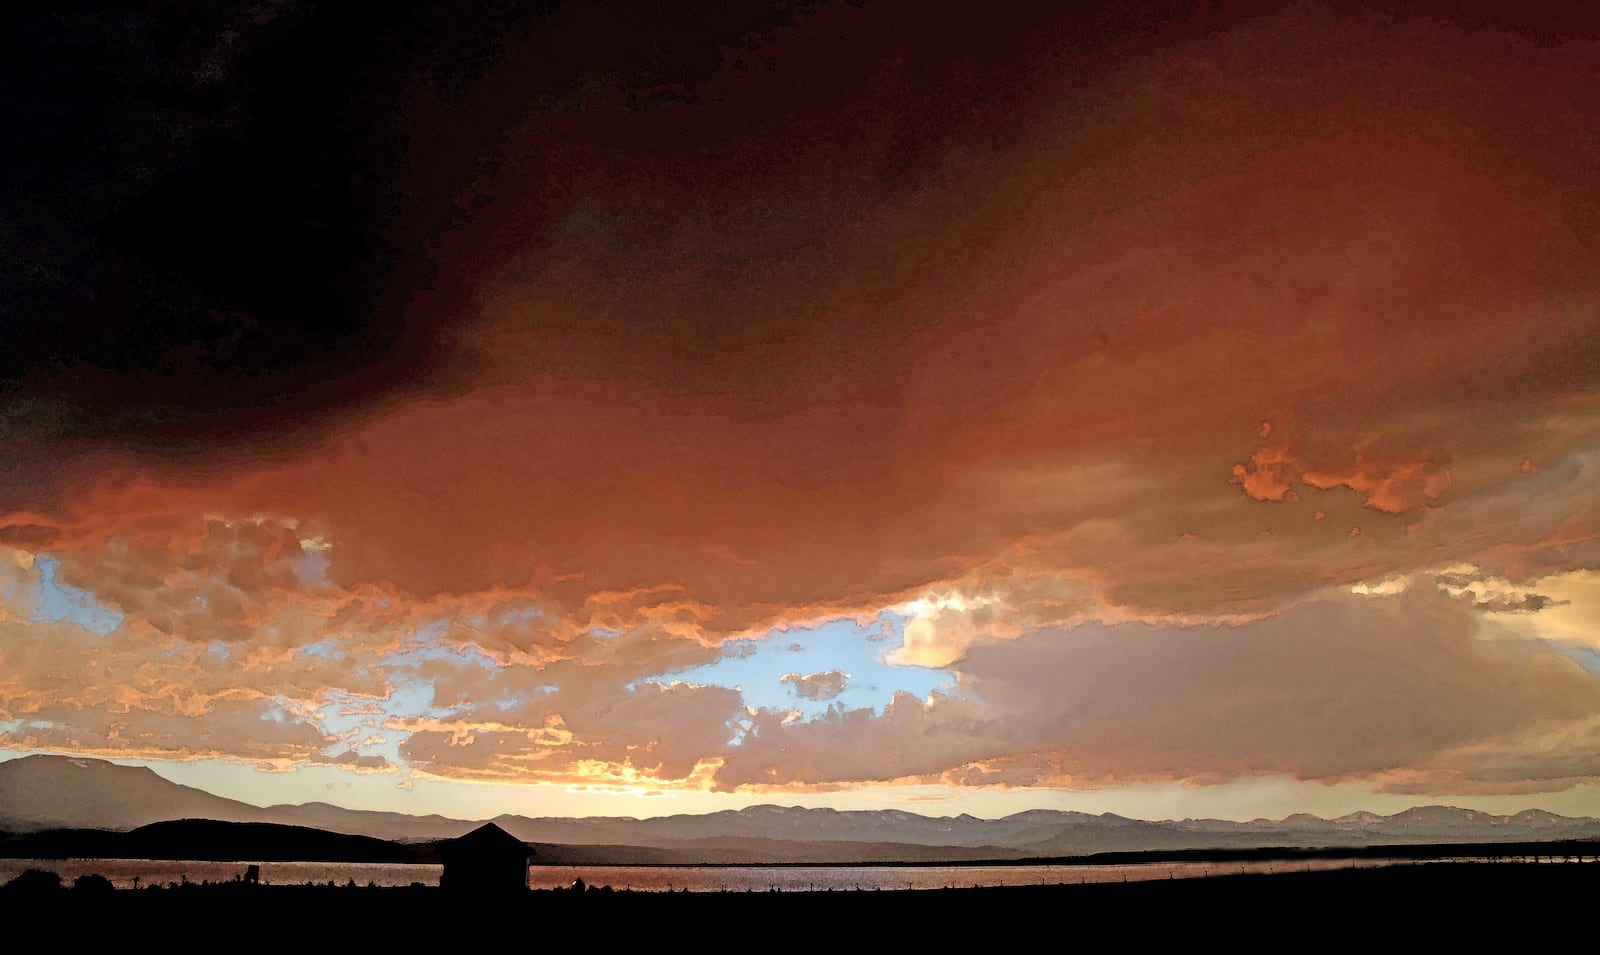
(758, 667)
(312, 566)
(54, 602)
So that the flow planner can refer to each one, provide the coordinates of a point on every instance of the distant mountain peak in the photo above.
(47, 791)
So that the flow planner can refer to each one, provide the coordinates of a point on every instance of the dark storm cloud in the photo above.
(235, 221)
(200, 215)
(223, 220)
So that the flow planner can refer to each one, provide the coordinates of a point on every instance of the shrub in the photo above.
(35, 881)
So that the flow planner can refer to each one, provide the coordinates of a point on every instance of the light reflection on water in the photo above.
(869, 878)
(123, 872)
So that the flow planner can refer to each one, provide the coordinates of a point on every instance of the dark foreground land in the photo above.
(1433, 903)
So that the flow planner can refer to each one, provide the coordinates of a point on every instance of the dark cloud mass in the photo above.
(230, 222)
(201, 206)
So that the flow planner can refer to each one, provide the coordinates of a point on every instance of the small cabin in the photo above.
(487, 859)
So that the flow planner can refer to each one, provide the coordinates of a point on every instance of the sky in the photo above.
(630, 408)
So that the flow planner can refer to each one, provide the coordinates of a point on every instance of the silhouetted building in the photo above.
(487, 859)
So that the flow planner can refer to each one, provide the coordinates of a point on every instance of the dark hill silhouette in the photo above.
(261, 841)
(213, 841)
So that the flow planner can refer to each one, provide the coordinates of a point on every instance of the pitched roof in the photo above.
(487, 839)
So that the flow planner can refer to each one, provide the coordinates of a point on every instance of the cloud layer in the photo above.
(1105, 352)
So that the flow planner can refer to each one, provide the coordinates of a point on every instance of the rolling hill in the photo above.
(44, 792)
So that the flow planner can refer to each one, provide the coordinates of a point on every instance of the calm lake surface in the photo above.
(124, 872)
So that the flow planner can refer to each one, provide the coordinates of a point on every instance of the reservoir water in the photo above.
(128, 873)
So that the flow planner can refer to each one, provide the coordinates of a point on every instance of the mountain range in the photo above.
(43, 792)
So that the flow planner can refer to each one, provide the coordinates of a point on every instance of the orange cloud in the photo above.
(1264, 478)
(848, 336)
(1243, 220)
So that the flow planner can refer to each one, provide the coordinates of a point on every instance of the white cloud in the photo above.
(1340, 687)
(816, 686)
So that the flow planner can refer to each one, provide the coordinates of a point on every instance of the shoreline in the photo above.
(784, 877)
(1468, 901)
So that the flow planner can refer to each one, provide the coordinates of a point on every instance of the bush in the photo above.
(92, 885)
(35, 882)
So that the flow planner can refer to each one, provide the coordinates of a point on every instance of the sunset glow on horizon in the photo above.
(606, 410)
